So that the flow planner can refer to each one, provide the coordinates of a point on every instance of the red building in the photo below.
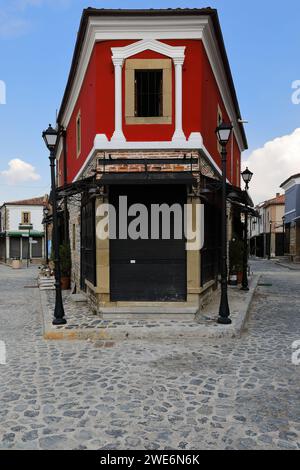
(146, 91)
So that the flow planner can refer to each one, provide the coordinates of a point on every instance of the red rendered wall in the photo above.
(211, 100)
(96, 103)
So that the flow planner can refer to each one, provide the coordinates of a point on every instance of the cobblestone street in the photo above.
(209, 394)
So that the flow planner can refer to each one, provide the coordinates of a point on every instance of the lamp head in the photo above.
(223, 132)
(50, 137)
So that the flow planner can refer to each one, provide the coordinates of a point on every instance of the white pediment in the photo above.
(174, 52)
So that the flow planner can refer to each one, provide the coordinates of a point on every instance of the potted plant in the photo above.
(65, 265)
(236, 251)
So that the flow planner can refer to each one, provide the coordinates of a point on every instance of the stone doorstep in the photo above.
(176, 330)
(147, 313)
(78, 298)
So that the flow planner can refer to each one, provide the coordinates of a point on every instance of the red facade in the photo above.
(201, 98)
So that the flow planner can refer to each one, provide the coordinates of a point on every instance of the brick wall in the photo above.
(138, 168)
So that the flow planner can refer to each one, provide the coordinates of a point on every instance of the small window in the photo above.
(78, 134)
(26, 219)
(148, 93)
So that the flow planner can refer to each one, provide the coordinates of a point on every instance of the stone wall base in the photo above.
(101, 305)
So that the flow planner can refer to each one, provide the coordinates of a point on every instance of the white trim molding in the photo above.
(119, 54)
(148, 44)
(143, 29)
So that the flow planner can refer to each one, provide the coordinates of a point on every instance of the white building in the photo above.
(22, 230)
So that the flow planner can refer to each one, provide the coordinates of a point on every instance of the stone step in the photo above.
(80, 298)
(141, 313)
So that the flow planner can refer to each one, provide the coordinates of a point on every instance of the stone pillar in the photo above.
(178, 134)
(118, 133)
(102, 260)
(193, 258)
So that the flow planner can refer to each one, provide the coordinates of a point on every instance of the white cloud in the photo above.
(19, 172)
(12, 15)
(11, 26)
(272, 164)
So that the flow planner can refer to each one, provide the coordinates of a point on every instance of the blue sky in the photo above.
(37, 39)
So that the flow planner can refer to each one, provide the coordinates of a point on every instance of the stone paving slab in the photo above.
(83, 324)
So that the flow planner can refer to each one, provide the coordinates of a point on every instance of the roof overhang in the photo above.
(290, 182)
(33, 233)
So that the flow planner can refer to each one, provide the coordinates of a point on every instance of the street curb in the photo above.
(251, 294)
(177, 331)
(286, 266)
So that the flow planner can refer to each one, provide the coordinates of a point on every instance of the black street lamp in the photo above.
(46, 213)
(270, 240)
(283, 231)
(223, 132)
(247, 177)
(50, 137)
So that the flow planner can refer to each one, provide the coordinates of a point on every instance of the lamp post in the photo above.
(254, 229)
(50, 137)
(46, 213)
(223, 132)
(270, 241)
(283, 231)
(247, 177)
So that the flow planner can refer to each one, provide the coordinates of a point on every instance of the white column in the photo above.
(118, 134)
(178, 134)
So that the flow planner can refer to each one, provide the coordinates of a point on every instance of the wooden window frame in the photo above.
(22, 218)
(78, 134)
(131, 66)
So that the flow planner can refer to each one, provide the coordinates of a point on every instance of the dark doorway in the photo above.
(260, 250)
(25, 248)
(148, 270)
(279, 244)
(210, 253)
(268, 245)
(88, 244)
(37, 248)
(15, 248)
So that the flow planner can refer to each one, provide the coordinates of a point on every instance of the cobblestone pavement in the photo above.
(213, 394)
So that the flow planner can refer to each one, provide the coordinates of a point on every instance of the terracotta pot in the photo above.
(16, 264)
(65, 283)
